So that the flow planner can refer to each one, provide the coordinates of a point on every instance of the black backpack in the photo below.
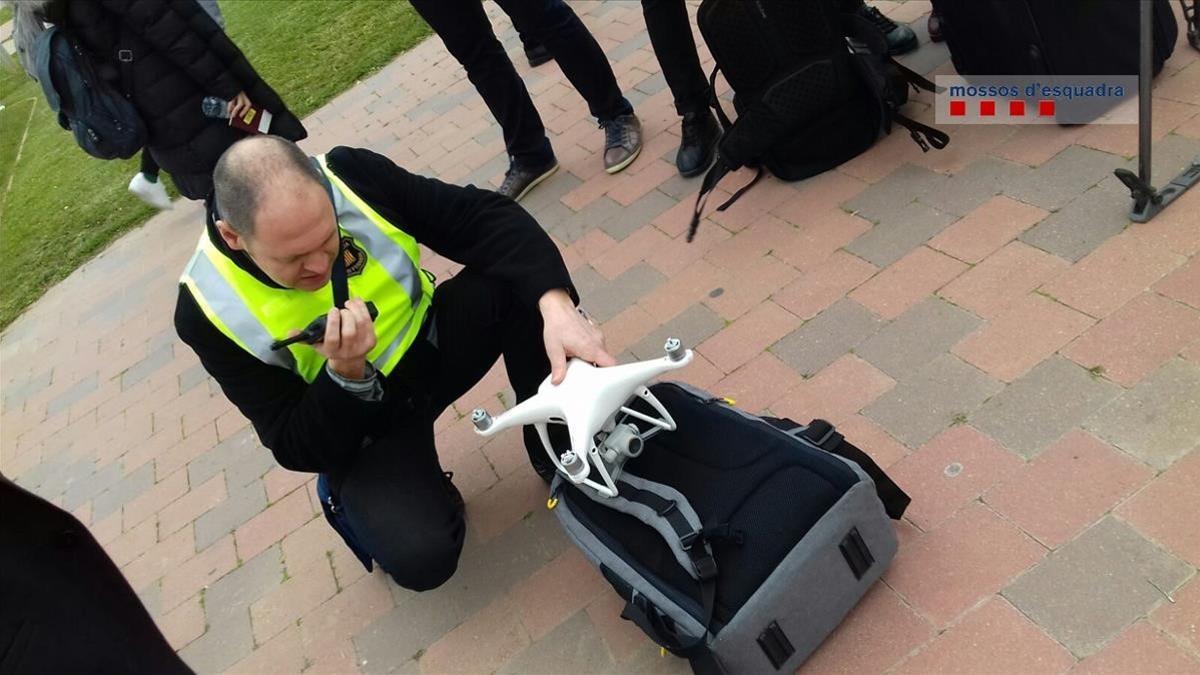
(813, 87)
(104, 122)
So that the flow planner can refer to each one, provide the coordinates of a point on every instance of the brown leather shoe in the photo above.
(622, 142)
(935, 27)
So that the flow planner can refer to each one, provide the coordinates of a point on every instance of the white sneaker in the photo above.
(153, 194)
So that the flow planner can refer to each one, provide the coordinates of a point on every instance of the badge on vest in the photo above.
(353, 257)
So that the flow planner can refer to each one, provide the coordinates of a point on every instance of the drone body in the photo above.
(589, 401)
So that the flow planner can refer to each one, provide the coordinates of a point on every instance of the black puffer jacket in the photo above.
(180, 55)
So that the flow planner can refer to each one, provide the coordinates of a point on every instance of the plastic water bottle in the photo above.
(214, 107)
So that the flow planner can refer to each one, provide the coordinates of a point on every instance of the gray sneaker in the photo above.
(518, 180)
(622, 142)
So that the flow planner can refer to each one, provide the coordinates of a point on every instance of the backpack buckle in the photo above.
(688, 540)
(125, 55)
(706, 567)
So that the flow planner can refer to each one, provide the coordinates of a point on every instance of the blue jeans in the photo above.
(467, 34)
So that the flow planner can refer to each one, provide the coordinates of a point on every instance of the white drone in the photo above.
(590, 402)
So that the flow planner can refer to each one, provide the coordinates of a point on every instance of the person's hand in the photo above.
(569, 334)
(349, 337)
(239, 105)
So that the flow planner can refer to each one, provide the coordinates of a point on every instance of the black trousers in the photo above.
(464, 28)
(671, 38)
(395, 499)
(149, 166)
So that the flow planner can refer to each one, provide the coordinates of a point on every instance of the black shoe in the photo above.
(622, 142)
(698, 143)
(537, 55)
(900, 39)
(519, 180)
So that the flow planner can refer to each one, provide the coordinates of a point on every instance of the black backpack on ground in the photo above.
(737, 542)
(1052, 37)
(813, 87)
(104, 122)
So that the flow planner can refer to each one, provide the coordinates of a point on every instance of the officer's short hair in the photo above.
(248, 168)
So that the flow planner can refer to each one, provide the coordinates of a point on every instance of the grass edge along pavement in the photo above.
(59, 207)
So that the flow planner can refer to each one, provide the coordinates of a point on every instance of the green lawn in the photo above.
(60, 207)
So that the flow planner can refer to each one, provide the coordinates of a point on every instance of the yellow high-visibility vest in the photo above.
(254, 315)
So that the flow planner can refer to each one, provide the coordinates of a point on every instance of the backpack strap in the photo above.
(923, 134)
(125, 63)
(716, 102)
(715, 173)
(686, 532)
(670, 514)
(914, 78)
(823, 435)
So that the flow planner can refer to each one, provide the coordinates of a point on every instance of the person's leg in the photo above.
(671, 37)
(675, 49)
(554, 24)
(146, 186)
(402, 509)
(535, 52)
(149, 167)
(478, 319)
(464, 28)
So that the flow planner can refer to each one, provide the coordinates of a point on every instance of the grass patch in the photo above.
(5, 13)
(59, 207)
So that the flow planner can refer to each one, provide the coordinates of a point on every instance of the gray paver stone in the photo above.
(898, 188)
(573, 647)
(241, 505)
(129, 487)
(635, 216)
(1042, 405)
(917, 337)
(1092, 588)
(605, 299)
(1061, 179)
(1158, 421)
(73, 394)
(227, 601)
(974, 185)
(692, 326)
(827, 336)
(923, 404)
(903, 229)
(1082, 225)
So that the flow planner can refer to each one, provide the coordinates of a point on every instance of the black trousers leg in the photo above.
(671, 37)
(464, 28)
(554, 24)
(479, 319)
(398, 502)
(149, 166)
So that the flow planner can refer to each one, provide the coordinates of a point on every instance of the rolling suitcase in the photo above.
(1051, 37)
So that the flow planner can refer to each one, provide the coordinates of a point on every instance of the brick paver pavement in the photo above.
(983, 320)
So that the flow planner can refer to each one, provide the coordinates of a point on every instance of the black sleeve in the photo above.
(181, 32)
(477, 228)
(315, 427)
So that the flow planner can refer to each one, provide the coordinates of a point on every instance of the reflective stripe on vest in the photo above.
(253, 314)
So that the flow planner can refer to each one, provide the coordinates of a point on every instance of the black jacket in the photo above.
(180, 55)
(319, 426)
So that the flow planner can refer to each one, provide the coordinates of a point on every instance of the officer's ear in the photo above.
(232, 239)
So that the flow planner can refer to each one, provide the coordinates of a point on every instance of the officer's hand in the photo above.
(349, 337)
(568, 333)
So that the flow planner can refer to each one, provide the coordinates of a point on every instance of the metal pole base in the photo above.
(1147, 201)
